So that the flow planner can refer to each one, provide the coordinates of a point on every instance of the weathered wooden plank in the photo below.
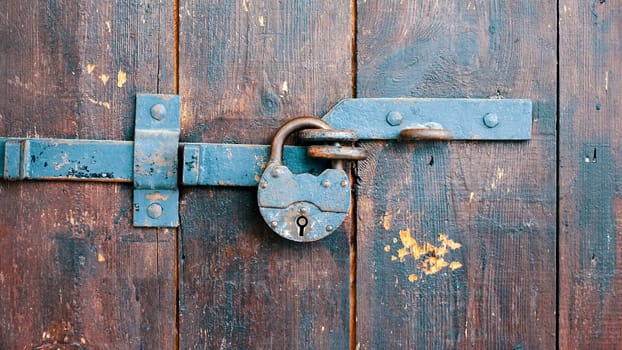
(456, 242)
(73, 270)
(245, 68)
(590, 195)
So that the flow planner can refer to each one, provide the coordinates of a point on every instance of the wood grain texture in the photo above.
(245, 68)
(590, 184)
(494, 201)
(73, 271)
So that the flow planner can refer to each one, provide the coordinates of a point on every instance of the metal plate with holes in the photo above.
(465, 119)
(156, 142)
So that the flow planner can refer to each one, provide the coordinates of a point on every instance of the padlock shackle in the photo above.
(276, 154)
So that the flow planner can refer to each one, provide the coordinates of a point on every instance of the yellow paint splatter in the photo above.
(412, 277)
(99, 103)
(90, 67)
(386, 221)
(104, 78)
(454, 265)
(100, 257)
(108, 26)
(121, 78)
(429, 257)
(262, 22)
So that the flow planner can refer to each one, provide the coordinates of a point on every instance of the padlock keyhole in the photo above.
(302, 222)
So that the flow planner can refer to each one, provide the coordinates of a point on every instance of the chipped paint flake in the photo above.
(101, 257)
(500, 173)
(471, 197)
(108, 26)
(90, 67)
(284, 88)
(386, 221)
(455, 265)
(99, 103)
(121, 78)
(245, 5)
(412, 277)
(262, 22)
(104, 78)
(429, 258)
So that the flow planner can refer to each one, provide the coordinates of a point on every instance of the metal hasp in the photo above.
(462, 119)
(156, 142)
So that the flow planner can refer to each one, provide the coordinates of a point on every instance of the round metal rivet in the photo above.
(263, 185)
(394, 118)
(158, 111)
(274, 224)
(344, 183)
(491, 120)
(329, 228)
(303, 210)
(154, 210)
(276, 172)
(326, 183)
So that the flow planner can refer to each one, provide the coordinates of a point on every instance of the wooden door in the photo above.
(508, 245)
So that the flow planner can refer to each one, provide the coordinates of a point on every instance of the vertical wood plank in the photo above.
(456, 241)
(590, 164)
(246, 67)
(73, 270)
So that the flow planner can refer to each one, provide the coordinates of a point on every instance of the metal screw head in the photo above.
(326, 183)
(154, 210)
(329, 228)
(394, 118)
(303, 210)
(158, 111)
(491, 120)
(344, 183)
(263, 185)
(276, 172)
(274, 224)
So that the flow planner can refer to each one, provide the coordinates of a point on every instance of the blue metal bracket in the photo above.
(156, 139)
(151, 161)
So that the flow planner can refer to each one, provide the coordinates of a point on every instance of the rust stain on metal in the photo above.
(156, 196)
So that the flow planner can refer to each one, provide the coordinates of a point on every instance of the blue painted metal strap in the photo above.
(59, 159)
(156, 142)
(239, 165)
(466, 119)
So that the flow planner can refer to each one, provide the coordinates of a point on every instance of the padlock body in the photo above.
(320, 202)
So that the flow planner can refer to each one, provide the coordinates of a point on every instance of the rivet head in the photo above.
(158, 111)
(274, 224)
(491, 120)
(344, 183)
(394, 118)
(276, 172)
(329, 228)
(263, 185)
(154, 210)
(303, 210)
(326, 183)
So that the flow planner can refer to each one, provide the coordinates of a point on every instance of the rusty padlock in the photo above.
(301, 207)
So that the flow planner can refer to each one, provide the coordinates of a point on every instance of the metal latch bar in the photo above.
(465, 119)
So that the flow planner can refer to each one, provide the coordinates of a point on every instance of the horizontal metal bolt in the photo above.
(491, 120)
(154, 210)
(158, 111)
(394, 118)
